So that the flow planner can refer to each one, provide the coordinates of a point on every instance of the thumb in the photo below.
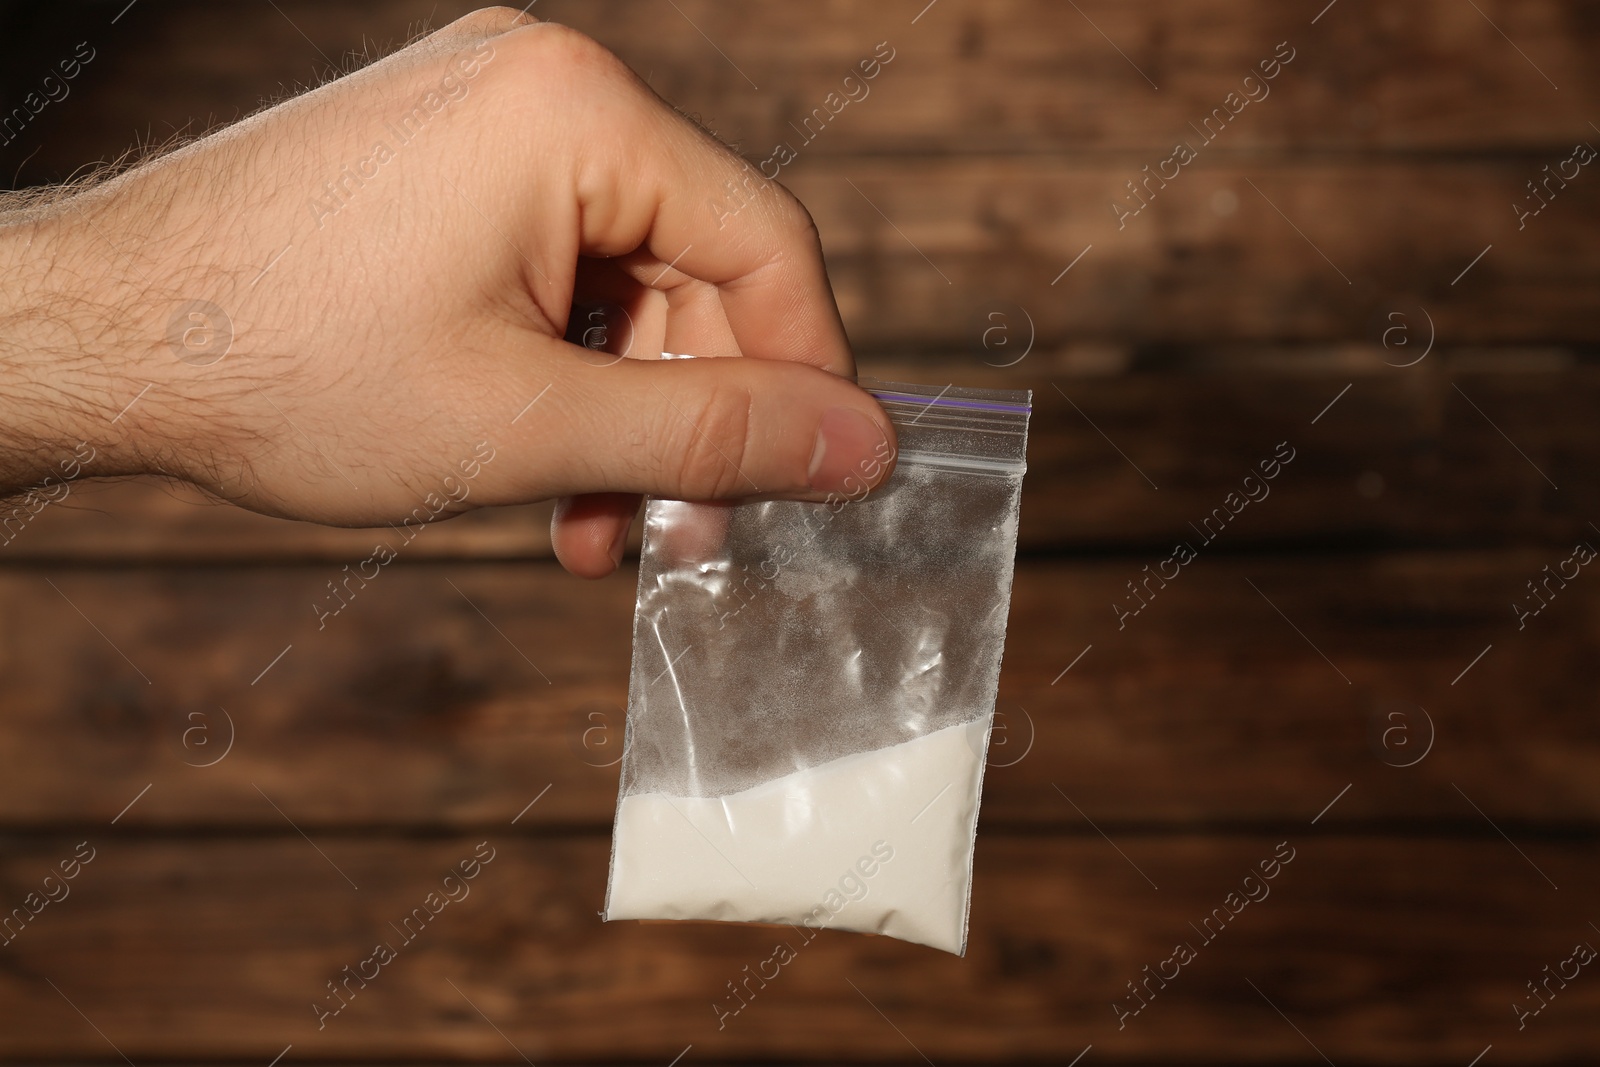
(714, 429)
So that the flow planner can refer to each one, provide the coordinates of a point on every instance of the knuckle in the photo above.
(570, 53)
(488, 22)
(799, 219)
(793, 218)
(715, 444)
(798, 238)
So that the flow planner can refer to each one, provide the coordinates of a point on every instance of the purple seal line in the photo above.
(892, 396)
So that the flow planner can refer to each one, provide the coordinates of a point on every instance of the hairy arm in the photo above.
(325, 310)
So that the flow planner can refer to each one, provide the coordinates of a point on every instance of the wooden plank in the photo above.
(1404, 458)
(1018, 76)
(451, 696)
(1377, 950)
(1242, 243)
(156, 521)
(1022, 76)
(1431, 455)
(920, 251)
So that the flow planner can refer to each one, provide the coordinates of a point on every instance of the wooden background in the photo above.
(1342, 670)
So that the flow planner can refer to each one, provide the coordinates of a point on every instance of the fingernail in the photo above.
(618, 543)
(845, 452)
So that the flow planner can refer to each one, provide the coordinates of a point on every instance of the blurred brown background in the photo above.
(1342, 268)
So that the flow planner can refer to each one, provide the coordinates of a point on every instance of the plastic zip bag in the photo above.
(813, 687)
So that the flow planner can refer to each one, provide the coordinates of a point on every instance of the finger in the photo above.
(627, 318)
(694, 429)
(695, 322)
(681, 315)
(684, 533)
(765, 261)
(658, 181)
(589, 532)
(479, 25)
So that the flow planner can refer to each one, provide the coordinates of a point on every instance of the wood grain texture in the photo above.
(143, 521)
(1377, 949)
(1313, 251)
(1263, 237)
(1023, 76)
(451, 696)
(1408, 457)
(1011, 77)
(1342, 668)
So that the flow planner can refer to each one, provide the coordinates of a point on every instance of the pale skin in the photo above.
(377, 335)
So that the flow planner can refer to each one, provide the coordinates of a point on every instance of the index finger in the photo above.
(656, 180)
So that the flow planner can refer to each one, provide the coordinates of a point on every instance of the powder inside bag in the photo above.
(811, 847)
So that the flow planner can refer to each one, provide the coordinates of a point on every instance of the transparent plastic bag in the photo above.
(813, 686)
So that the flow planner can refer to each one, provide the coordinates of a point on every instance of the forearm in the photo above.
(320, 310)
(64, 329)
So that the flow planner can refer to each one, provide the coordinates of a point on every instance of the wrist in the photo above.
(65, 323)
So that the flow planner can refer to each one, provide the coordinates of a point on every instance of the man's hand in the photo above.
(337, 308)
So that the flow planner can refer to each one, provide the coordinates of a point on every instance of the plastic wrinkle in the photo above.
(818, 756)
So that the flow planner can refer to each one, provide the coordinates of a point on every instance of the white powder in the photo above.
(791, 850)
